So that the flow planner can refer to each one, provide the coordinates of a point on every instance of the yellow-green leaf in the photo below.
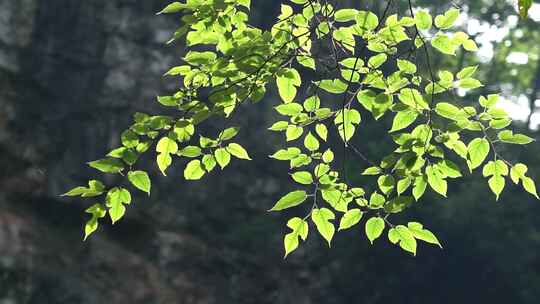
(194, 170)
(351, 218)
(290, 200)
(374, 228)
(140, 180)
(322, 219)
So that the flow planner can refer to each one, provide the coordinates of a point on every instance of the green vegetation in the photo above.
(365, 65)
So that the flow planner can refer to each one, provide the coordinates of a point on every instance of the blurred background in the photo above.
(73, 72)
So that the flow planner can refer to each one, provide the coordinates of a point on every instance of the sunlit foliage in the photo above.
(365, 64)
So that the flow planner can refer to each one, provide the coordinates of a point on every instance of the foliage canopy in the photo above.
(363, 64)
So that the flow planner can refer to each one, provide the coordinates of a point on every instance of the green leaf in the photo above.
(470, 83)
(403, 185)
(470, 45)
(349, 219)
(307, 62)
(405, 238)
(289, 109)
(420, 185)
(90, 227)
(497, 113)
(245, 3)
(107, 165)
(328, 156)
(447, 20)
(406, 66)
(209, 162)
(300, 228)
(346, 121)
(508, 136)
(311, 143)
(490, 101)
(77, 191)
(321, 170)
(288, 154)
(449, 169)
(413, 98)
(129, 139)
(376, 200)
(377, 60)
(499, 124)
(403, 119)
(495, 168)
(372, 171)
(178, 70)
(312, 103)
(191, 151)
(303, 177)
(449, 111)
(446, 77)
(398, 204)
(436, 181)
(279, 126)
(366, 20)
(518, 172)
(386, 183)
(200, 58)
(393, 236)
(286, 12)
(322, 218)
(194, 170)
(293, 132)
(322, 131)
(419, 232)
(346, 131)
(335, 198)
(115, 200)
(174, 7)
(344, 15)
(374, 228)
(444, 44)
(467, 72)
(168, 101)
(163, 160)
(423, 19)
(140, 180)
(238, 151)
(345, 35)
(290, 200)
(223, 157)
(376, 104)
(496, 184)
(301, 160)
(335, 86)
(287, 83)
(478, 150)
(95, 188)
(167, 145)
(184, 131)
(228, 133)
(529, 186)
(97, 211)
